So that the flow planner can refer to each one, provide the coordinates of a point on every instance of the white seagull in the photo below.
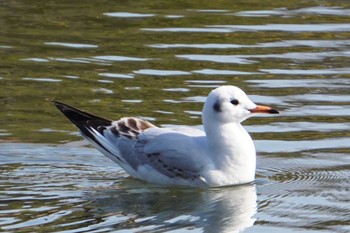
(223, 154)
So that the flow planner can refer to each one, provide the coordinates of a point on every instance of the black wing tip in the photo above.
(79, 117)
(69, 111)
(84, 121)
(64, 107)
(59, 105)
(55, 102)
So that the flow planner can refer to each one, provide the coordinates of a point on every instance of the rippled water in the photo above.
(158, 60)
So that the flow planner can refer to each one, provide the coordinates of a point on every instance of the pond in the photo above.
(158, 60)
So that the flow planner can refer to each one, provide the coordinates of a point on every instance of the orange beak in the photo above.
(263, 109)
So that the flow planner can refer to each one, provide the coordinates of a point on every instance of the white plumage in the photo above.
(223, 154)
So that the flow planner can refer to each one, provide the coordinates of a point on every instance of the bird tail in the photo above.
(83, 120)
(91, 127)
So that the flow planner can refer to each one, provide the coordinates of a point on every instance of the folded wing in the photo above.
(145, 151)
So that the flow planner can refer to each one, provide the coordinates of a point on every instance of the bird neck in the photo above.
(231, 148)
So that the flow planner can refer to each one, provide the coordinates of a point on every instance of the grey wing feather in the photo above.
(174, 155)
(133, 142)
(138, 143)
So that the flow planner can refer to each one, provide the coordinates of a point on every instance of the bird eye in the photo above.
(234, 102)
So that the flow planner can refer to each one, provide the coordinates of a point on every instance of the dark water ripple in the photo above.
(329, 174)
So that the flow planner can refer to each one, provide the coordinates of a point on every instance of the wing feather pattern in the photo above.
(142, 149)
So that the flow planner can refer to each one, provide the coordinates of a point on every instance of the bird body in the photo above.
(223, 154)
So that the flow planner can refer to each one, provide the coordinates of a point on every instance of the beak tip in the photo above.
(273, 111)
(264, 109)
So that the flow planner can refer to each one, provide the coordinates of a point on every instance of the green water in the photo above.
(158, 60)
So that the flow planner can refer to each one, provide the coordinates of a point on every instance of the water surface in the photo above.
(158, 60)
